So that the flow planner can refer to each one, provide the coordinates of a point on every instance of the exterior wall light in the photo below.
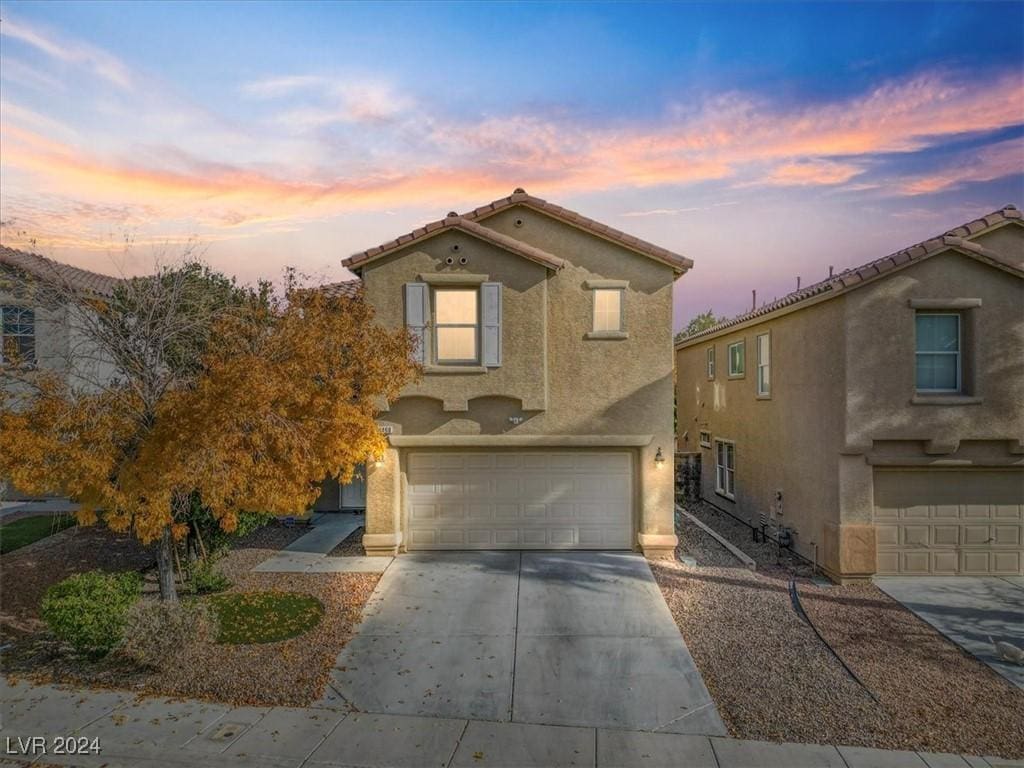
(379, 461)
(659, 458)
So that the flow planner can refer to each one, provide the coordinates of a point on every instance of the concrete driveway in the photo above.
(574, 639)
(968, 610)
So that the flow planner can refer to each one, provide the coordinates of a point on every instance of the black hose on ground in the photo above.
(794, 596)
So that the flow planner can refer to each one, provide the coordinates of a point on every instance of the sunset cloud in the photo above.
(813, 172)
(468, 161)
(73, 52)
(992, 162)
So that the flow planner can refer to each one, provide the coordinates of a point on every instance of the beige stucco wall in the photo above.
(843, 400)
(559, 381)
(788, 442)
(880, 355)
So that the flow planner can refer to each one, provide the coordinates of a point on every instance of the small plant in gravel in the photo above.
(158, 633)
(206, 577)
(88, 610)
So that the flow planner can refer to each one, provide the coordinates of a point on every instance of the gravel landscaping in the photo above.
(773, 679)
(291, 672)
(352, 546)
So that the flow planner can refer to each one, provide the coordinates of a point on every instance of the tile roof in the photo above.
(348, 288)
(851, 278)
(454, 221)
(56, 272)
(520, 197)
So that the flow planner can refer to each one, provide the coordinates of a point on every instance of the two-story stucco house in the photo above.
(35, 323)
(544, 416)
(880, 413)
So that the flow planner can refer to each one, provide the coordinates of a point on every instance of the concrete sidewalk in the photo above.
(308, 553)
(134, 731)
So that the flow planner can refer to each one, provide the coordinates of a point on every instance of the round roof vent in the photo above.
(519, 191)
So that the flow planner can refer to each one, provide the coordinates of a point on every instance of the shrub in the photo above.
(206, 577)
(88, 610)
(157, 634)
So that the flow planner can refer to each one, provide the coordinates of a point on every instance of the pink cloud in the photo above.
(992, 162)
(422, 160)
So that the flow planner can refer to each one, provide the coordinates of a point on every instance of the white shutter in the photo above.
(416, 318)
(490, 302)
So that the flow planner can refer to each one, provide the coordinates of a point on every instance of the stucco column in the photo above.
(383, 506)
(850, 549)
(657, 537)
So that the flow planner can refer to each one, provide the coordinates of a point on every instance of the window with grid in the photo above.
(725, 468)
(456, 324)
(18, 342)
(711, 362)
(937, 361)
(607, 309)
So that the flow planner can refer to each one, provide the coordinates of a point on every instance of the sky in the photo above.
(764, 141)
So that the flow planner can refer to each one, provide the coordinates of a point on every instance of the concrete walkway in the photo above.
(153, 733)
(544, 638)
(308, 554)
(43, 507)
(968, 610)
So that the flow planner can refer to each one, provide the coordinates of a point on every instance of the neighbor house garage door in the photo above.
(520, 500)
(943, 522)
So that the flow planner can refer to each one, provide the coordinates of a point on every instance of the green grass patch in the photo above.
(27, 530)
(265, 617)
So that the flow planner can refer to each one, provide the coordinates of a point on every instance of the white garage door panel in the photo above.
(520, 500)
(942, 522)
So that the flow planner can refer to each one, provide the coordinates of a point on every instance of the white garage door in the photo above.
(520, 500)
(940, 522)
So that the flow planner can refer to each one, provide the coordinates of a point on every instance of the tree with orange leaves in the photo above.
(239, 397)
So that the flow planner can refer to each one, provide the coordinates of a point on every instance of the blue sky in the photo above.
(764, 141)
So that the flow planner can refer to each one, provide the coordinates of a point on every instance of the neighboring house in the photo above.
(36, 327)
(544, 416)
(37, 330)
(880, 413)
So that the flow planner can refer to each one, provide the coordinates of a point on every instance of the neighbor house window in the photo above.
(607, 309)
(705, 439)
(938, 352)
(711, 363)
(725, 468)
(737, 358)
(456, 319)
(764, 365)
(18, 340)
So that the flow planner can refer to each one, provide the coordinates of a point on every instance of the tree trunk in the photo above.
(165, 566)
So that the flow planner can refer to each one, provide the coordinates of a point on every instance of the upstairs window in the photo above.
(607, 309)
(764, 365)
(938, 364)
(737, 359)
(711, 363)
(456, 321)
(18, 341)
